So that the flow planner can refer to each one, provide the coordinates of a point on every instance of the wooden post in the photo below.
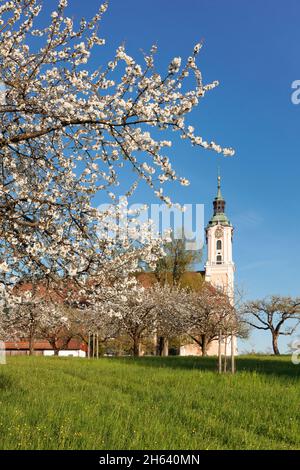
(97, 345)
(232, 355)
(225, 354)
(89, 346)
(220, 352)
(155, 345)
(94, 343)
(165, 351)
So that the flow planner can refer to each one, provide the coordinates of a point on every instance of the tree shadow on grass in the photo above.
(266, 365)
(172, 362)
(6, 383)
(269, 365)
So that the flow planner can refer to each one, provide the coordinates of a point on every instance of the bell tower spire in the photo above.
(219, 195)
(219, 202)
(219, 216)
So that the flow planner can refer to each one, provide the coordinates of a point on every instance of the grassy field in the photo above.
(148, 403)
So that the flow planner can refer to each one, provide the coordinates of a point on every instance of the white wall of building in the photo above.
(66, 353)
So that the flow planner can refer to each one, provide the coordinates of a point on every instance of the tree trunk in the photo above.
(31, 338)
(136, 347)
(54, 347)
(204, 345)
(160, 345)
(31, 345)
(275, 344)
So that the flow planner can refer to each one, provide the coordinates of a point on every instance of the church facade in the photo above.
(219, 266)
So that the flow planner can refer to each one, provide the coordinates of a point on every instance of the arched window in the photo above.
(219, 245)
(219, 259)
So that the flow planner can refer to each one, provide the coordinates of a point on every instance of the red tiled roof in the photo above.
(74, 344)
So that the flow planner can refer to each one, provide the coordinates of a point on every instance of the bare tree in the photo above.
(279, 315)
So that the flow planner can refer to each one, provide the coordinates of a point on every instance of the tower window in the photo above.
(219, 259)
(219, 245)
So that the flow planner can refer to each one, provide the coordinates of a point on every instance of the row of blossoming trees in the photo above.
(71, 130)
(140, 317)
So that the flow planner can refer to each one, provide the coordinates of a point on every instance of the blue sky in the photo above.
(252, 48)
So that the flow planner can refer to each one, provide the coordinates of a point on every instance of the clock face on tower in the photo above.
(219, 233)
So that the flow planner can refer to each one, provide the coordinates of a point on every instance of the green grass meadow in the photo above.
(149, 403)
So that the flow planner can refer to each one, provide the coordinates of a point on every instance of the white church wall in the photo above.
(66, 353)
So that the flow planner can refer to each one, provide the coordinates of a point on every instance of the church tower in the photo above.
(219, 268)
